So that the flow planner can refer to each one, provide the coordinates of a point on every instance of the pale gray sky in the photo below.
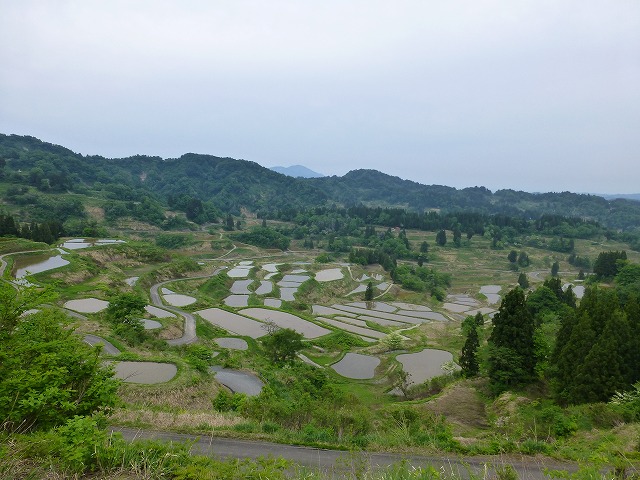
(535, 95)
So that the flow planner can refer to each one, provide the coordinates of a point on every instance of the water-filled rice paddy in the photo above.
(86, 305)
(232, 343)
(233, 322)
(272, 302)
(237, 301)
(357, 366)
(158, 312)
(238, 381)
(264, 288)
(32, 264)
(329, 275)
(425, 364)
(348, 327)
(151, 324)
(241, 287)
(179, 300)
(145, 372)
(287, 320)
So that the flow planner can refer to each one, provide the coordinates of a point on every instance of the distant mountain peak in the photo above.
(297, 171)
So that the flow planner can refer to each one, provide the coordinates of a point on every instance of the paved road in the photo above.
(107, 347)
(189, 334)
(335, 463)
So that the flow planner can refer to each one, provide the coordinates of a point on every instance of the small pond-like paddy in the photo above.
(237, 301)
(151, 324)
(233, 322)
(287, 320)
(87, 305)
(491, 292)
(329, 275)
(424, 365)
(145, 372)
(31, 264)
(158, 312)
(241, 287)
(238, 381)
(357, 366)
(264, 288)
(232, 343)
(179, 300)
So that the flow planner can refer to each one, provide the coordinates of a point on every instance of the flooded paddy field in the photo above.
(232, 343)
(25, 265)
(233, 322)
(238, 381)
(145, 372)
(425, 364)
(87, 305)
(287, 320)
(357, 366)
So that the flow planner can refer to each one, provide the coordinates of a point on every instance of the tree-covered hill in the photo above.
(205, 186)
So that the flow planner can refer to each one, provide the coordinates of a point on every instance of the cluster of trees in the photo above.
(608, 263)
(586, 353)
(48, 375)
(47, 232)
(264, 237)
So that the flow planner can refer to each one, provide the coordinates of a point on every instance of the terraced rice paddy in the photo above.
(272, 302)
(232, 343)
(357, 366)
(491, 292)
(264, 288)
(145, 372)
(32, 264)
(241, 287)
(158, 312)
(179, 300)
(425, 364)
(238, 381)
(233, 322)
(87, 305)
(151, 324)
(287, 320)
(349, 327)
(237, 301)
(329, 275)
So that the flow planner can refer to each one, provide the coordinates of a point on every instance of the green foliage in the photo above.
(368, 294)
(282, 345)
(264, 237)
(511, 345)
(228, 402)
(173, 240)
(469, 356)
(340, 340)
(421, 279)
(523, 281)
(199, 357)
(48, 375)
(606, 265)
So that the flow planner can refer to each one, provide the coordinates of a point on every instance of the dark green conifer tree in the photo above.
(511, 345)
(469, 356)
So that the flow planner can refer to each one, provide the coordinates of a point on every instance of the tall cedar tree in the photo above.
(511, 347)
(469, 358)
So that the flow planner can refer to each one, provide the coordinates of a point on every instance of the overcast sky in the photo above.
(533, 95)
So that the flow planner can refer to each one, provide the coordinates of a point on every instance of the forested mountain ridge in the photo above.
(229, 185)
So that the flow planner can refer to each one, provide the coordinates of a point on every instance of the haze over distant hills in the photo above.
(298, 171)
(626, 196)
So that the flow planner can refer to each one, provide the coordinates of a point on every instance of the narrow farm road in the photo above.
(337, 463)
(189, 333)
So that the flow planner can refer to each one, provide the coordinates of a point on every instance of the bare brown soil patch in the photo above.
(462, 407)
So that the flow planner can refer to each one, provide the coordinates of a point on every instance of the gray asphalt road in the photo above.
(107, 347)
(189, 332)
(335, 463)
